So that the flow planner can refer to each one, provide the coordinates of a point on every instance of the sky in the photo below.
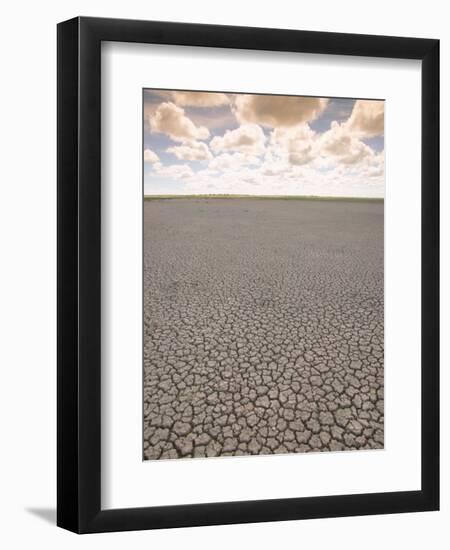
(255, 144)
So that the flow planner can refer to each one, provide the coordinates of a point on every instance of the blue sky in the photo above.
(226, 143)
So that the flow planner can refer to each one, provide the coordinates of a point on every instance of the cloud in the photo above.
(200, 99)
(275, 168)
(171, 120)
(227, 162)
(191, 150)
(375, 166)
(174, 171)
(150, 156)
(367, 118)
(281, 179)
(273, 151)
(248, 138)
(221, 120)
(276, 111)
(375, 171)
(301, 157)
(149, 109)
(343, 146)
(297, 143)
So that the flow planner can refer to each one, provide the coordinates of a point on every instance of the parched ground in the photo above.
(263, 326)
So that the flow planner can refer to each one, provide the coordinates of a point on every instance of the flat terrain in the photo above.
(263, 326)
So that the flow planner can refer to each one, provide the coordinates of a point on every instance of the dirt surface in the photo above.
(263, 326)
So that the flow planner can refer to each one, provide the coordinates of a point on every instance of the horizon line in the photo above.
(243, 196)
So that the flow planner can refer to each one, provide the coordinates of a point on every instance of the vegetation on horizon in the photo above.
(262, 197)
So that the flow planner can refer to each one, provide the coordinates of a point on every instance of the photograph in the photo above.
(263, 274)
(224, 267)
(248, 255)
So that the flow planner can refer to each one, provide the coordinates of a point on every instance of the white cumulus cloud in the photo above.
(150, 156)
(297, 143)
(248, 138)
(191, 150)
(200, 99)
(277, 111)
(367, 118)
(340, 144)
(227, 161)
(175, 171)
(171, 120)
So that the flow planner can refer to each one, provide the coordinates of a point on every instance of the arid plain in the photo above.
(263, 326)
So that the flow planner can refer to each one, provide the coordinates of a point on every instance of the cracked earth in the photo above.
(263, 327)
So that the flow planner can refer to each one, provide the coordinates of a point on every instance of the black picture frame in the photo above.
(79, 281)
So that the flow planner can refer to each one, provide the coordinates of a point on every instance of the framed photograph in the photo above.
(248, 275)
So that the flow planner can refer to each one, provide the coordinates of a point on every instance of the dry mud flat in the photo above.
(263, 326)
